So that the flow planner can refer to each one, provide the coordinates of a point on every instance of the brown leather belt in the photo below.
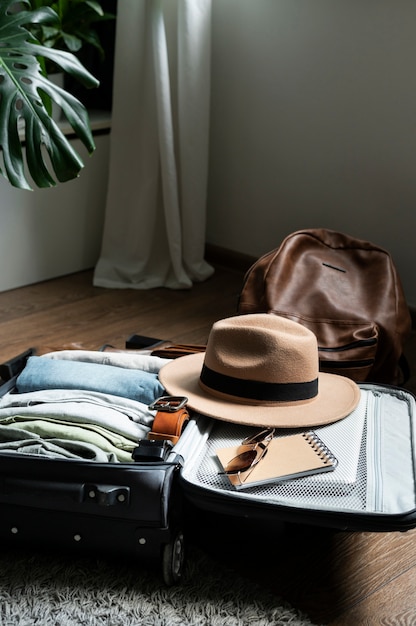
(170, 419)
(176, 350)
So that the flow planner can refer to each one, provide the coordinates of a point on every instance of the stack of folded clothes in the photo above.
(79, 404)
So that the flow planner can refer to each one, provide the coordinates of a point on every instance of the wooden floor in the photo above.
(337, 578)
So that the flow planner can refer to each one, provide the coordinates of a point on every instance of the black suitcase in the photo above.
(130, 509)
(140, 509)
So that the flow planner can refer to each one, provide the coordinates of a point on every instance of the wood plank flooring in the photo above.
(336, 578)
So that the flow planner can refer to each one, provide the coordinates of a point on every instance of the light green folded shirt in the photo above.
(49, 429)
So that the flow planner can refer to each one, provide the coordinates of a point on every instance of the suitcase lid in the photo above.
(371, 488)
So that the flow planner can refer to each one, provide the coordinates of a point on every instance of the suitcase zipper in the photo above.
(375, 500)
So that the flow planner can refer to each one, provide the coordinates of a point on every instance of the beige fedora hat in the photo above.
(261, 370)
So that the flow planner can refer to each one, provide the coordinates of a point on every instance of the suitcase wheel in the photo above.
(173, 558)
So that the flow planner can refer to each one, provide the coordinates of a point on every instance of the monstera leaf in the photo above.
(25, 96)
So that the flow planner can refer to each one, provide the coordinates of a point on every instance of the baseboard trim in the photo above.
(230, 259)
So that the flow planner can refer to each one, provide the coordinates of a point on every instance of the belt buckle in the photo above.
(168, 404)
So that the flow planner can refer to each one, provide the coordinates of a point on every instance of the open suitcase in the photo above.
(139, 508)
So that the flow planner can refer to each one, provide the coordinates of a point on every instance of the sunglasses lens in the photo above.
(241, 462)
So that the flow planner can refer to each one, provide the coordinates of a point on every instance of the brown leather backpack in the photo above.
(345, 290)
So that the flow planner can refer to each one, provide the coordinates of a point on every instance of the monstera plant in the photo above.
(76, 27)
(34, 149)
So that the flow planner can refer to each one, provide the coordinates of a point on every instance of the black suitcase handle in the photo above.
(102, 495)
(14, 366)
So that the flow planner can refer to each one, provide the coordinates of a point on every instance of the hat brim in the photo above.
(337, 397)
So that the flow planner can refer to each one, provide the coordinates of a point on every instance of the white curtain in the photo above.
(154, 232)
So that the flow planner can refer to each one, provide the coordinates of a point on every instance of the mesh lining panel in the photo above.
(312, 491)
(375, 448)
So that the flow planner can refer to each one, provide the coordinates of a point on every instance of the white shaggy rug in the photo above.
(46, 590)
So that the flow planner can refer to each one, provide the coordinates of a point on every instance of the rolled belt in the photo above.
(170, 419)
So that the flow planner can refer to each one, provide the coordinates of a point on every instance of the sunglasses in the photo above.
(250, 452)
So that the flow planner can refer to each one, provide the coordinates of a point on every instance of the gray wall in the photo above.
(314, 123)
(52, 232)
